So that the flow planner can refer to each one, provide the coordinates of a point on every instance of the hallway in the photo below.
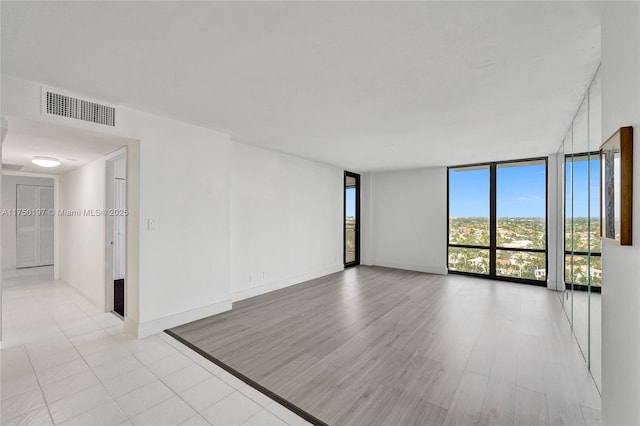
(65, 362)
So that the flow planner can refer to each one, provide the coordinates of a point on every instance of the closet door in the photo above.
(26, 237)
(34, 226)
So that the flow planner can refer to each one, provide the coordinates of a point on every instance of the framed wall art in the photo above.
(616, 175)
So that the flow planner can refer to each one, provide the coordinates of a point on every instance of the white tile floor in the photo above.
(65, 362)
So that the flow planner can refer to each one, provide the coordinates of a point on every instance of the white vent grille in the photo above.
(79, 109)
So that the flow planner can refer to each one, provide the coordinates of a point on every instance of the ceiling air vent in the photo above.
(11, 167)
(79, 109)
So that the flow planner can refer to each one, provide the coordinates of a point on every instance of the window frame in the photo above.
(493, 248)
(356, 261)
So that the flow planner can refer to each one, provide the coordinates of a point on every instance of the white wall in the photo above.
(223, 210)
(178, 174)
(555, 222)
(408, 227)
(82, 238)
(9, 222)
(366, 219)
(621, 266)
(286, 220)
(184, 187)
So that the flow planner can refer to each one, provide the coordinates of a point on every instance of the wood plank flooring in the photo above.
(374, 345)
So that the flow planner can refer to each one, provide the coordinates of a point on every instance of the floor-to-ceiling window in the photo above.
(498, 220)
(469, 208)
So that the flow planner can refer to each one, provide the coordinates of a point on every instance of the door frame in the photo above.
(109, 225)
(356, 262)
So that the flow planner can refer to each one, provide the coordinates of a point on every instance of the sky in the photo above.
(520, 191)
(580, 189)
(351, 202)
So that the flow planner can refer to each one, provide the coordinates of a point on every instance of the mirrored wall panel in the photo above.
(582, 245)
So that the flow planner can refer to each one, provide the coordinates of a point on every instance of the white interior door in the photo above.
(119, 227)
(34, 226)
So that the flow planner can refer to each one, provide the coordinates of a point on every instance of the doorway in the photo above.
(116, 202)
(351, 219)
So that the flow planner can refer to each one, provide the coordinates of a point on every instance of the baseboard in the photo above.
(148, 328)
(83, 295)
(283, 283)
(12, 273)
(438, 270)
(555, 285)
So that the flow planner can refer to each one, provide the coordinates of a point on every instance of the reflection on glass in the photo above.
(521, 264)
(469, 206)
(582, 245)
(581, 234)
(595, 134)
(581, 270)
(582, 230)
(469, 260)
(583, 202)
(521, 205)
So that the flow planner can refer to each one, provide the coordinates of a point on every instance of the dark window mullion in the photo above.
(582, 253)
(492, 220)
(532, 250)
(469, 246)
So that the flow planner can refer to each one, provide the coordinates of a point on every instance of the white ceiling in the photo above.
(73, 147)
(363, 85)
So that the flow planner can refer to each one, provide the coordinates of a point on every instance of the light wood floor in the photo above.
(382, 346)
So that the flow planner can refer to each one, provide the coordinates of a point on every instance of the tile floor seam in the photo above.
(46, 403)
(275, 414)
(145, 362)
(149, 408)
(189, 405)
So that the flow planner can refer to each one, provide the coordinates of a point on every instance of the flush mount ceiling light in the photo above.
(46, 161)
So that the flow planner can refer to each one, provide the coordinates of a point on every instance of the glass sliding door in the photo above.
(351, 219)
(498, 220)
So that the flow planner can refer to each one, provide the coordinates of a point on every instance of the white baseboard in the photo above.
(438, 270)
(141, 330)
(83, 295)
(554, 285)
(286, 282)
